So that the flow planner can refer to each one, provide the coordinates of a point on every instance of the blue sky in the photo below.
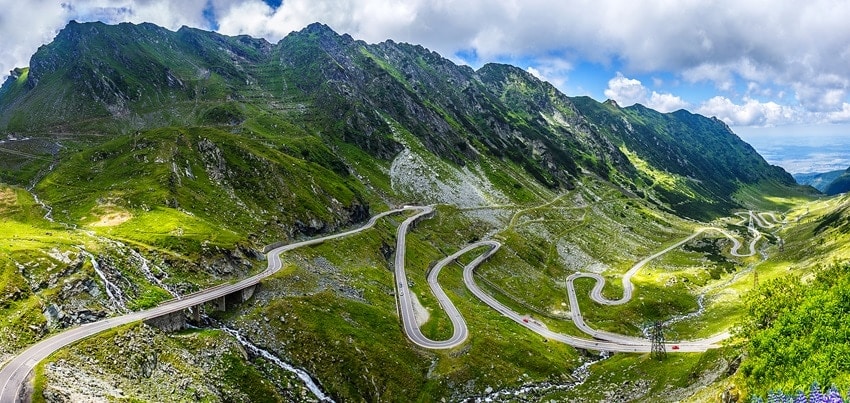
(767, 68)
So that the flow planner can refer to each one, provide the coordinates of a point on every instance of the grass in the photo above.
(173, 189)
(666, 287)
(771, 196)
(369, 336)
(342, 319)
(293, 156)
(665, 180)
(652, 300)
(142, 362)
(174, 231)
(516, 274)
(41, 263)
(25, 267)
(639, 378)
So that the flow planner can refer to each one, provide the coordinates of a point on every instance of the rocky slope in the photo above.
(340, 90)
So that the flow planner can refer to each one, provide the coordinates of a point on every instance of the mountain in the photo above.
(830, 183)
(339, 90)
(840, 184)
(140, 164)
(819, 180)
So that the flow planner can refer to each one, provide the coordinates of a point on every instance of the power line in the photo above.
(755, 278)
(659, 351)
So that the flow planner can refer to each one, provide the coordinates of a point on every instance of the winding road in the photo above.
(16, 371)
(602, 340)
(628, 288)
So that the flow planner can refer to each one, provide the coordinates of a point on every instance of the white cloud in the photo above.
(372, 20)
(721, 76)
(801, 49)
(666, 102)
(536, 73)
(555, 71)
(253, 18)
(626, 91)
(753, 113)
(25, 25)
(168, 14)
(750, 113)
(839, 115)
(629, 91)
(823, 93)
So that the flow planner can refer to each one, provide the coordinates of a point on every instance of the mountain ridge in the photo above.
(346, 89)
(840, 184)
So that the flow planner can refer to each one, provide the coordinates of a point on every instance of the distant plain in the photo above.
(803, 152)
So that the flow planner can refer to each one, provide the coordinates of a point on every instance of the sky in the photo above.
(766, 68)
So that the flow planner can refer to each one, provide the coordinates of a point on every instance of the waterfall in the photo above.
(144, 267)
(119, 300)
(138, 259)
(303, 375)
(48, 214)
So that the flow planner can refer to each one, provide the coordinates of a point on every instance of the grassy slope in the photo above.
(179, 189)
(330, 333)
(797, 333)
(24, 238)
(814, 236)
(322, 320)
(41, 265)
(138, 186)
(325, 303)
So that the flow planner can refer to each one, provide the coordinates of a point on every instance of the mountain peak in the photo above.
(611, 102)
(324, 31)
(111, 76)
(74, 25)
(319, 28)
(502, 71)
(321, 34)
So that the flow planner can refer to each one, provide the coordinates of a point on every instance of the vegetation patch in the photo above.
(797, 333)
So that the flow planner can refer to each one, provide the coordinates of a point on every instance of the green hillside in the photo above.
(818, 181)
(344, 91)
(142, 163)
(841, 184)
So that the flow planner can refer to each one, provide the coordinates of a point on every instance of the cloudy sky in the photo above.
(762, 66)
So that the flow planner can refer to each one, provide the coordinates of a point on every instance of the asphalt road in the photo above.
(629, 346)
(628, 287)
(405, 302)
(602, 340)
(15, 372)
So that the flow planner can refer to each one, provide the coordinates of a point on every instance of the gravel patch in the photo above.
(412, 175)
(419, 312)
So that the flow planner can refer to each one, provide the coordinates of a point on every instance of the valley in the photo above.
(539, 237)
(403, 293)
